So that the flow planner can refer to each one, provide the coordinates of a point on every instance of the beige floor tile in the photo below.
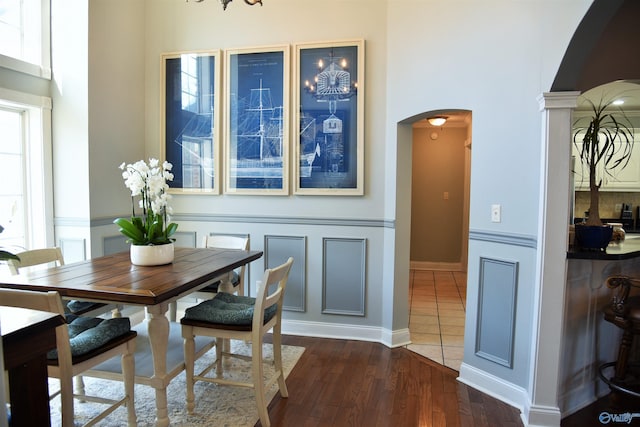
(437, 315)
(451, 306)
(424, 303)
(425, 311)
(448, 312)
(448, 296)
(451, 330)
(423, 338)
(423, 328)
(452, 352)
(453, 340)
(451, 321)
(418, 296)
(423, 281)
(423, 320)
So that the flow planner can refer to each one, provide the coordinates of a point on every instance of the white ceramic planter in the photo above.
(152, 254)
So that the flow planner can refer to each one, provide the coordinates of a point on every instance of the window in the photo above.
(24, 36)
(26, 211)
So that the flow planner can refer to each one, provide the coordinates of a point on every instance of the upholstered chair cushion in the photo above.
(89, 333)
(76, 306)
(227, 309)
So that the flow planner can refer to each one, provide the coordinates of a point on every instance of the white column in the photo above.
(551, 269)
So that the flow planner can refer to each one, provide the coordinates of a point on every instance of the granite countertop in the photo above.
(627, 249)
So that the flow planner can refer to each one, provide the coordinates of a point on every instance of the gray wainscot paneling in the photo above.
(497, 310)
(118, 243)
(343, 276)
(185, 239)
(73, 250)
(277, 249)
(114, 244)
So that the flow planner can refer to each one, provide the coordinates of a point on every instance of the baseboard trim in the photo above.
(387, 337)
(440, 266)
(508, 393)
(516, 396)
(541, 416)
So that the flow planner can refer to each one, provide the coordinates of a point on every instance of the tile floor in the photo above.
(436, 318)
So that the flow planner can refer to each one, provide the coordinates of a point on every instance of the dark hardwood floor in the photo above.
(353, 383)
(612, 404)
(362, 384)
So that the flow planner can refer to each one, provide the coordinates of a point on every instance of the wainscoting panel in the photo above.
(343, 276)
(118, 243)
(277, 249)
(73, 250)
(185, 239)
(114, 244)
(496, 310)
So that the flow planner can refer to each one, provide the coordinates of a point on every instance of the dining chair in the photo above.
(232, 282)
(228, 316)
(53, 257)
(82, 343)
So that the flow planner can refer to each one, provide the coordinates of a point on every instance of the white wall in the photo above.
(494, 59)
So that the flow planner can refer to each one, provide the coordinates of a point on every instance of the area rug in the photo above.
(216, 405)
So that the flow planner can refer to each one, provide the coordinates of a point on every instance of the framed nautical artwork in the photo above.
(329, 96)
(190, 130)
(256, 121)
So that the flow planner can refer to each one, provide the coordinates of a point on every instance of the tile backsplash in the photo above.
(608, 201)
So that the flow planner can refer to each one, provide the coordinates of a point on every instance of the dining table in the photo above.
(114, 279)
(27, 336)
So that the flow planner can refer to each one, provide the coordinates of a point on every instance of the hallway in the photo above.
(437, 314)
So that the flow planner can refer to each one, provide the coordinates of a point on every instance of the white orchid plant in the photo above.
(148, 181)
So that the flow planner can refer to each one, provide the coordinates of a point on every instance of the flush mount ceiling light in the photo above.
(437, 120)
(226, 2)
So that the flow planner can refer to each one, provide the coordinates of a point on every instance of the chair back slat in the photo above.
(276, 276)
(225, 241)
(36, 257)
(42, 301)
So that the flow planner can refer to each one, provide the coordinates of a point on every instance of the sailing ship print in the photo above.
(259, 138)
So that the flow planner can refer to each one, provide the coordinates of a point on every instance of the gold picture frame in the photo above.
(190, 131)
(329, 121)
(256, 121)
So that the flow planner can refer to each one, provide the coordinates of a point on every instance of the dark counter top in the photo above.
(627, 249)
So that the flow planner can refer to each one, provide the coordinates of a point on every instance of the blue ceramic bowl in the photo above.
(593, 237)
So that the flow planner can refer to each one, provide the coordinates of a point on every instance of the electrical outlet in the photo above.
(618, 207)
(496, 214)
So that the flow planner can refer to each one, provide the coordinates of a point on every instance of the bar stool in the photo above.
(624, 312)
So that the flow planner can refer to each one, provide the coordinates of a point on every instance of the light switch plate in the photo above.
(496, 214)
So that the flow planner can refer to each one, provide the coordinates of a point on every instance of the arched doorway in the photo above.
(440, 158)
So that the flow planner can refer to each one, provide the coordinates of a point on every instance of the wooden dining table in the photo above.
(113, 279)
(27, 336)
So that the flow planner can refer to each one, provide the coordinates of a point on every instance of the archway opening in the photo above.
(439, 194)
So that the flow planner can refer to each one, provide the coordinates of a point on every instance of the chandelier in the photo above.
(226, 2)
